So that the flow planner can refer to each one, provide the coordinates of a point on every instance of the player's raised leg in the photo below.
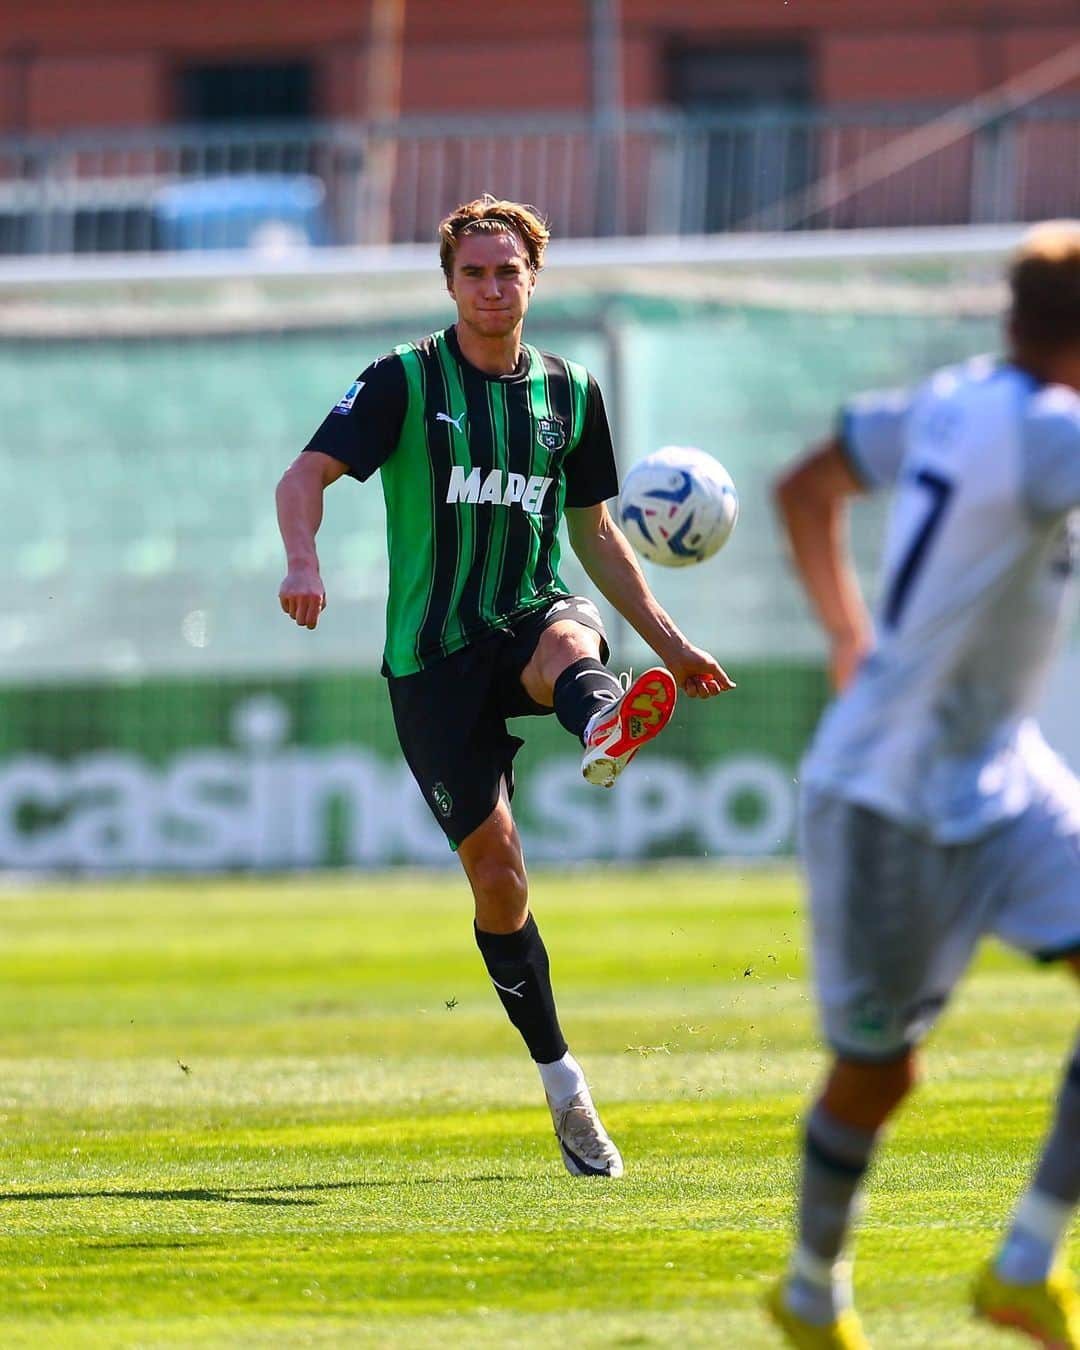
(611, 720)
(517, 963)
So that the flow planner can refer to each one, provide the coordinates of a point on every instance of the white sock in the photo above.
(562, 1079)
(817, 1290)
(1038, 1226)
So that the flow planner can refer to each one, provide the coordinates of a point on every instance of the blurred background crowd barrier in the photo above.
(181, 305)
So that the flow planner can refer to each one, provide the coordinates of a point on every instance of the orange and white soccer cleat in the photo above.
(617, 731)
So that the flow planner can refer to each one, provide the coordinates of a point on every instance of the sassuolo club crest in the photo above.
(550, 433)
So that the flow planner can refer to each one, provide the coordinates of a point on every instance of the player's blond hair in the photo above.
(489, 215)
(1044, 278)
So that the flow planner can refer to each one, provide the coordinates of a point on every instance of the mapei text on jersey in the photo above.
(498, 488)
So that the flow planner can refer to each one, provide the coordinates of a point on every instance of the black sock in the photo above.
(580, 690)
(518, 966)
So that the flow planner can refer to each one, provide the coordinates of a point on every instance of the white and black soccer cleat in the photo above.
(586, 1147)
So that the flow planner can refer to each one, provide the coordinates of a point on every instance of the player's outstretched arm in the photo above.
(299, 511)
(609, 560)
(811, 499)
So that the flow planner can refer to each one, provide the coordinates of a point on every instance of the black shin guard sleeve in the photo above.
(580, 690)
(518, 966)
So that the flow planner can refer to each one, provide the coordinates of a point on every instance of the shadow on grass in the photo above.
(246, 1195)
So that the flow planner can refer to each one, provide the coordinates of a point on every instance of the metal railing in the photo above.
(666, 173)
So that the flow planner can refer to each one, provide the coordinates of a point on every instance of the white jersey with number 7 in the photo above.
(937, 728)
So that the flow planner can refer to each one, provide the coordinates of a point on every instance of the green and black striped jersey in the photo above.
(476, 472)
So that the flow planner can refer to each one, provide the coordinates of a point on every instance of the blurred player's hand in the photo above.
(846, 654)
(696, 672)
(302, 596)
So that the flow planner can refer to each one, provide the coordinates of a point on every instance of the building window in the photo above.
(280, 91)
(751, 101)
(741, 78)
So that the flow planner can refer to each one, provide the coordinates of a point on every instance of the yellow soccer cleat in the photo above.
(845, 1333)
(1049, 1313)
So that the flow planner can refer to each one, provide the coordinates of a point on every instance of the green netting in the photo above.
(141, 472)
(158, 710)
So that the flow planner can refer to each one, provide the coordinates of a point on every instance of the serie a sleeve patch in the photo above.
(345, 403)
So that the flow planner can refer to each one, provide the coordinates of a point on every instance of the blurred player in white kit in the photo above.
(932, 810)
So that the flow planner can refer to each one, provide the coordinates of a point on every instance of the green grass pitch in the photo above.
(291, 1112)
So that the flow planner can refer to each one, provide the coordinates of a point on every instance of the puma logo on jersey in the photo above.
(455, 422)
(498, 488)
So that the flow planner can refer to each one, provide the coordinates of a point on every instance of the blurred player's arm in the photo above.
(607, 557)
(1050, 440)
(299, 511)
(812, 500)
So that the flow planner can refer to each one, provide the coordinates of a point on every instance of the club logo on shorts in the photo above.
(869, 1016)
(444, 803)
(551, 433)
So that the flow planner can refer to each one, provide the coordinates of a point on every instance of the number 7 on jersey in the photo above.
(939, 490)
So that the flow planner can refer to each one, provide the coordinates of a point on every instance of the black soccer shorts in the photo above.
(451, 717)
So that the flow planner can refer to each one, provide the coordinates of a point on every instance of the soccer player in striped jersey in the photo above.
(932, 811)
(484, 444)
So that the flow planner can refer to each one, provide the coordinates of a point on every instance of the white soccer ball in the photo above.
(678, 506)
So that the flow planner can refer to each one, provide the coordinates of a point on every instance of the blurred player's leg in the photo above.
(1026, 1287)
(891, 934)
(835, 1158)
(517, 964)
(813, 1304)
(1044, 1212)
